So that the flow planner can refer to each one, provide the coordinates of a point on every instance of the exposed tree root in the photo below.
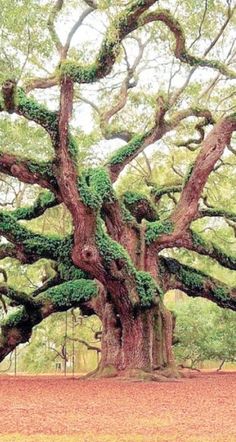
(135, 374)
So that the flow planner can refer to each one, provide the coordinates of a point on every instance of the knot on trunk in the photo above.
(117, 269)
(89, 254)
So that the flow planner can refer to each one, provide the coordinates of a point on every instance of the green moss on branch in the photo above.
(15, 317)
(158, 192)
(44, 201)
(70, 294)
(147, 288)
(33, 244)
(111, 250)
(79, 73)
(45, 169)
(95, 187)
(32, 110)
(66, 268)
(126, 215)
(73, 148)
(200, 245)
(218, 213)
(139, 206)
(144, 284)
(124, 23)
(127, 151)
(156, 229)
(196, 283)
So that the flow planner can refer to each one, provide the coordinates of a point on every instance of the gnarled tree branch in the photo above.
(196, 283)
(211, 151)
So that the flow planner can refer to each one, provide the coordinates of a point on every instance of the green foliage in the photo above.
(31, 53)
(66, 267)
(69, 272)
(157, 228)
(198, 240)
(225, 258)
(140, 206)
(221, 293)
(32, 110)
(44, 200)
(111, 250)
(79, 73)
(42, 246)
(126, 215)
(192, 279)
(128, 150)
(19, 22)
(15, 317)
(147, 288)
(44, 169)
(70, 293)
(131, 197)
(203, 331)
(64, 249)
(95, 187)
(159, 191)
(48, 246)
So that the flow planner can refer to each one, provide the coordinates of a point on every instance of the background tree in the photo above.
(55, 342)
(208, 335)
(141, 75)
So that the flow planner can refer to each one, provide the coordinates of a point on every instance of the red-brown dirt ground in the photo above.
(199, 409)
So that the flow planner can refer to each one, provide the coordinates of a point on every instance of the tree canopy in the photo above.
(121, 117)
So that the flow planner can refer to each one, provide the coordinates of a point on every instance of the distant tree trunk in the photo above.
(221, 365)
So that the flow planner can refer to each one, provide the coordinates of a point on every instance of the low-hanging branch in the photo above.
(196, 283)
(34, 309)
(194, 241)
(33, 246)
(87, 344)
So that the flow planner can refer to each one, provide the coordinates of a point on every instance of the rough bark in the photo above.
(136, 342)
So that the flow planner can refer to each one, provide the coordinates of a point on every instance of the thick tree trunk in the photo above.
(138, 343)
(135, 340)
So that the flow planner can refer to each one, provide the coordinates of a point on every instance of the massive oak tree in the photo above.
(117, 263)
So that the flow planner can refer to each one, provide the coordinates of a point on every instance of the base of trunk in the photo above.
(168, 374)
